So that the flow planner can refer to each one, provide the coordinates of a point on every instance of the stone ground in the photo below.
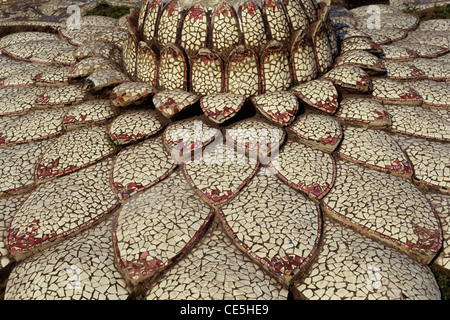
(92, 205)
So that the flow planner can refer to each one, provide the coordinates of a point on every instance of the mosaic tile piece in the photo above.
(146, 64)
(33, 126)
(422, 50)
(142, 13)
(350, 32)
(18, 100)
(225, 29)
(169, 103)
(98, 21)
(207, 73)
(149, 234)
(17, 74)
(351, 78)
(435, 94)
(129, 93)
(242, 72)
(364, 112)
(431, 164)
(276, 19)
(441, 204)
(187, 137)
(397, 52)
(297, 15)
(53, 96)
(362, 59)
(140, 166)
(22, 37)
(115, 37)
(135, 125)
(73, 151)
(129, 54)
(399, 70)
(168, 23)
(443, 113)
(194, 30)
(59, 208)
(390, 91)
(319, 94)
(42, 51)
(279, 107)
(98, 49)
(4, 58)
(419, 122)
(381, 273)
(362, 10)
(389, 21)
(80, 269)
(252, 25)
(375, 149)
(10, 66)
(434, 25)
(104, 78)
(221, 107)
(51, 75)
(434, 70)
(332, 39)
(94, 111)
(220, 173)
(25, 99)
(318, 131)
(216, 270)
(260, 219)
(88, 66)
(340, 22)
(361, 44)
(85, 34)
(150, 10)
(322, 48)
(18, 164)
(310, 7)
(303, 60)
(257, 138)
(384, 36)
(387, 208)
(275, 70)
(173, 68)
(435, 38)
(8, 207)
(317, 173)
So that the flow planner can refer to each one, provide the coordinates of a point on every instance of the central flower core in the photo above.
(239, 47)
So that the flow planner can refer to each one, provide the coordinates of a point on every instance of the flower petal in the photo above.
(80, 269)
(318, 169)
(280, 107)
(319, 94)
(387, 208)
(154, 228)
(169, 103)
(61, 207)
(140, 166)
(220, 173)
(381, 272)
(73, 151)
(260, 221)
(317, 130)
(215, 269)
(375, 149)
(221, 107)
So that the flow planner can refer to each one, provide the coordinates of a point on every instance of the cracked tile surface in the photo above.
(116, 114)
